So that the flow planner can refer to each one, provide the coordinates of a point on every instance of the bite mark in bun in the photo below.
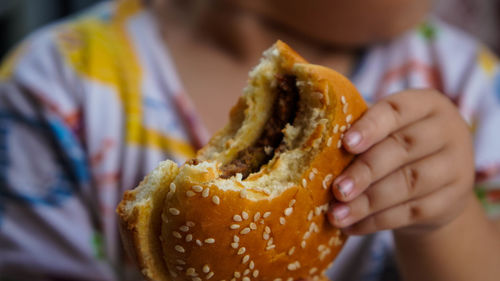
(251, 205)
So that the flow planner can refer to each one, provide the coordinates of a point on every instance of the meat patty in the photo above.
(284, 109)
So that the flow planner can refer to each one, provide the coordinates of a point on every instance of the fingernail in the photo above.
(352, 139)
(345, 187)
(341, 212)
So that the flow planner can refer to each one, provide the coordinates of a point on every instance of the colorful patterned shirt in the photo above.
(90, 105)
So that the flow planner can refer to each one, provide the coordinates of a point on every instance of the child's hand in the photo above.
(415, 167)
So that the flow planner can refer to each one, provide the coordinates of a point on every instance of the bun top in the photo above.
(251, 205)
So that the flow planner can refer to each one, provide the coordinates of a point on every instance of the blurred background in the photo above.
(19, 17)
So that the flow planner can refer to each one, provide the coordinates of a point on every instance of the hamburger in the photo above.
(252, 204)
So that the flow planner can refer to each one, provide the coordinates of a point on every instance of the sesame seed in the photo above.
(253, 226)
(180, 261)
(303, 244)
(348, 118)
(311, 176)
(243, 193)
(205, 192)
(265, 236)
(292, 202)
(304, 183)
(174, 211)
(210, 275)
(314, 170)
(342, 129)
(317, 211)
(291, 251)
(236, 238)
(255, 273)
(270, 242)
(277, 279)
(216, 200)
(199, 243)
(206, 268)
(310, 215)
(348, 126)
(336, 128)
(334, 241)
(282, 220)
(176, 234)
(306, 235)
(189, 237)
(313, 270)
(172, 187)
(321, 248)
(256, 217)
(184, 228)
(235, 245)
(209, 240)
(251, 265)
(244, 215)
(261, 221)
(245, 259)
(190, 193)
(342, 99)
(197, 188)
(312, 226)
(190, 223)
(241, 251)
(291, 266)
(327, 181)
(237, 274)
(237, 218)
(339, 144)
(344, 109)
(288, 211)
(180, 268)
(246, 271)
(267, 229)
(266, 214)
(270, 247)
(329, 142)
(191, 271)
(196, 279)
(245, 279)
(179, 249)
(245, 230)
(170, 194)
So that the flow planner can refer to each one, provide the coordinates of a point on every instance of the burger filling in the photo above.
(270, 142)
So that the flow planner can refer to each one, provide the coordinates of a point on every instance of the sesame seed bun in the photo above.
(191, 223)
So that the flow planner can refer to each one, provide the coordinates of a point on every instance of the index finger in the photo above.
(387, 116)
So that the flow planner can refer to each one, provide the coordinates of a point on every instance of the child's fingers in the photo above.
(412, 181)
(419, 211)
(387, 116)
(401, 148)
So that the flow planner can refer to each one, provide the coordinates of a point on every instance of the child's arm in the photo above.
(415, 175)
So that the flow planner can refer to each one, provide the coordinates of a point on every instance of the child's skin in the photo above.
(414, 173)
